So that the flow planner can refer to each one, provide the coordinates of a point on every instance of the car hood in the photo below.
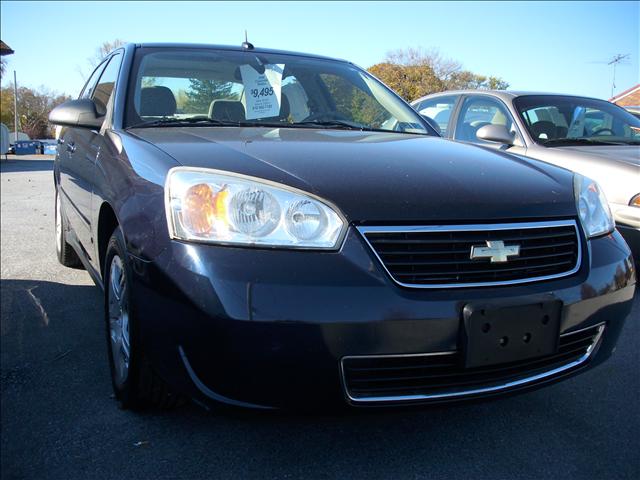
(614, 167)
(626, 154)
(378, 176)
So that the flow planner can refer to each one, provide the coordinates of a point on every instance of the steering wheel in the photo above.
(600, 130)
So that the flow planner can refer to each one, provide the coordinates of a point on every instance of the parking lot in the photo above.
(59, 419)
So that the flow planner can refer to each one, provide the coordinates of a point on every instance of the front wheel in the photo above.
(135, 384)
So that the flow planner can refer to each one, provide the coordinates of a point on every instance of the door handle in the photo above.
(71, 147)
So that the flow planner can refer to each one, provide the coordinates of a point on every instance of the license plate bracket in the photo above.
(505, 334)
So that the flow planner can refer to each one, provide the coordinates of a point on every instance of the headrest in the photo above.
(227, 110)
(157, 102)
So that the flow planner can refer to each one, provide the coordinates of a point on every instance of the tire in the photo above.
(67, 256)
(135, 384)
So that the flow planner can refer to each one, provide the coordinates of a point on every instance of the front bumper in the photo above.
(269, 328)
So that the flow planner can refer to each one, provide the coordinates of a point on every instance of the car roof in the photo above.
(502, 94)
(236, 48)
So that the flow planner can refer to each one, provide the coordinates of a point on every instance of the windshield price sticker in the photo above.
(263, 90)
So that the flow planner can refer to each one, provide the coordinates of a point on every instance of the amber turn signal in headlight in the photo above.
(228, 208)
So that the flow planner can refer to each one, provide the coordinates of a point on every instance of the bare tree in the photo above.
(444, 68)
(102, 51)
(414, 72)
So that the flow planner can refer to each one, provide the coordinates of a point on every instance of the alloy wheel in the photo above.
(119, 320)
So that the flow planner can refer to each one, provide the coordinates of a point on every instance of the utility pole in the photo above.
(15, 106)
(615, 61)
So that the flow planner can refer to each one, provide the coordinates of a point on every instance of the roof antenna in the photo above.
(246, 45)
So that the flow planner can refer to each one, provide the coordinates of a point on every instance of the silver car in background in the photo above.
(592, 137)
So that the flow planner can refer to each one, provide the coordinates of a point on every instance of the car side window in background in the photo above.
(477, 112)
(548, 122)
(555, 118)
(102, 92)
(438, 109)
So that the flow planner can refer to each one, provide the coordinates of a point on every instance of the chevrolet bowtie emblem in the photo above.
(496, 250)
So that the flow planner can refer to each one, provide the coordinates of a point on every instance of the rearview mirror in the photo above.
(495, 133)
(77, 113)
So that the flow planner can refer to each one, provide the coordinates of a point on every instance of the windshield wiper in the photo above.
(344, 124)
(558, 142)
(185, 122)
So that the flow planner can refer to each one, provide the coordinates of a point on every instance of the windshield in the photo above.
(202, 87)
(554, 120)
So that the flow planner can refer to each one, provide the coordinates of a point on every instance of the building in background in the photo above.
(4, 50)
(628, 98)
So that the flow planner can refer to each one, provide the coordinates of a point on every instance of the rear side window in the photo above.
(103, 90)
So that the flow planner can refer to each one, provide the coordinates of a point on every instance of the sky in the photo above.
(557, 47)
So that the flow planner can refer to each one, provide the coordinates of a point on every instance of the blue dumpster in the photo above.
(50, 149)
(27, 147)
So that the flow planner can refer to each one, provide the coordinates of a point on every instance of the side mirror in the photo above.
(77, 113)
(496, 134)
(432, 123)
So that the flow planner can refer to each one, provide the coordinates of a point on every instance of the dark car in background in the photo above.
(275, 229)
(589, 136)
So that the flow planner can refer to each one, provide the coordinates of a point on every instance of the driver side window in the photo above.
(439, 109)
(103, 90)
(90, 86)
(477, 112)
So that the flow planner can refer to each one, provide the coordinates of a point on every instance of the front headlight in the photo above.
(593, 208)
(227, 208)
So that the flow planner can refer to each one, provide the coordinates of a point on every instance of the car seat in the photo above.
(157, 102)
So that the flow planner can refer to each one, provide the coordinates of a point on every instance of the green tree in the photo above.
(353, 103)
(415, 72)
(34, 107)
(409, 81)
(202, 92)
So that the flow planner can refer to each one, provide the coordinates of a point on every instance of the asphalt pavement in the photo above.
(59, 420)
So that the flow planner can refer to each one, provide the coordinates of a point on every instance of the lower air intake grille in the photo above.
(396, 378)
(440, 257)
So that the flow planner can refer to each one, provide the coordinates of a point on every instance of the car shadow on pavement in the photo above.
(57, 398)
(42, 322)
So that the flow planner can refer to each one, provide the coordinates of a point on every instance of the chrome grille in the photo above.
(432, 376)
(439, 256)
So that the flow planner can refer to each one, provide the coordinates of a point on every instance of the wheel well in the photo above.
(107, 223)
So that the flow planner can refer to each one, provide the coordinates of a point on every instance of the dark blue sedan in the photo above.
(275, 229)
